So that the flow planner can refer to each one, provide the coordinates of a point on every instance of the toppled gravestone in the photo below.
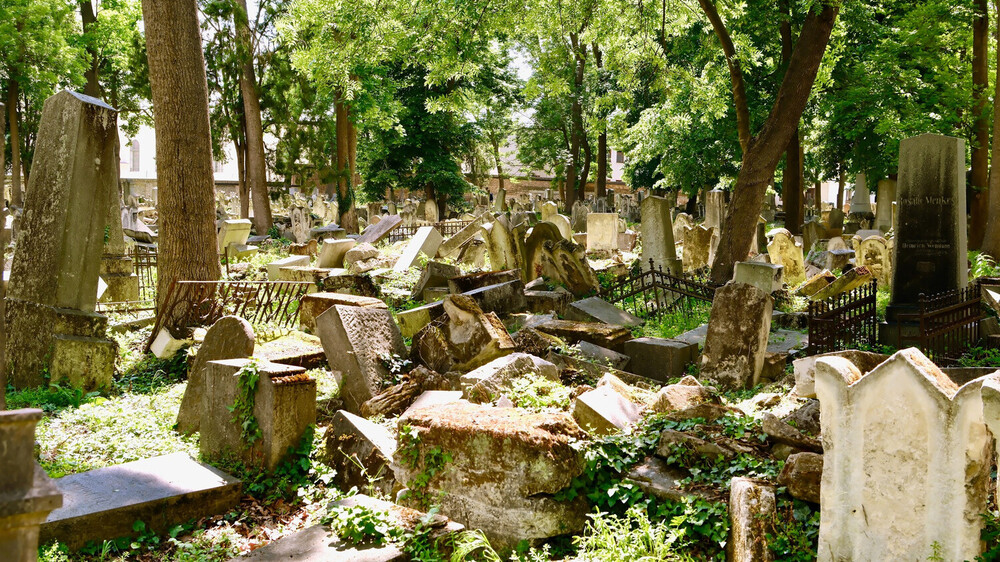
(360, 451)
(463, 338)
(355, 340)
(751, 512)
(314, 304)
(737, 336)
(605, 410)
(489, 381)
(397, 398)
(231, 337)
(494, 469)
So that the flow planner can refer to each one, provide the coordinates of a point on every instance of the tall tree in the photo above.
(979, 178)
(183, 143)
(256, 163)
(762, 151)
(791, 192)
(991, 238)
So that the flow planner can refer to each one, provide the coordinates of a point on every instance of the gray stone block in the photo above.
(660, 359)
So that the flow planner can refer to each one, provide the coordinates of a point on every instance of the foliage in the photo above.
(674, 323)
(990, 536)
(433, 460)
(796, 532)
(630, 538)
(242, 409)
(980, 357)
(537, 393)
(983, 265)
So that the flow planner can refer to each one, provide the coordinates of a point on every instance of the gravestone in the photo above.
(736, 341)
(500, 245)
(452, 247)
(426, 241)
(873, 253)
(548, 254)
(274, 268)
(52, 293)
(602, 232)
(355, 339)
(812, 232)
(861, 201)
(883, 204)
(697, 247)
(376, 232)
(231, 337)
(906, 468)
(301, 223)
(578, 216)
(27, 494)
(767, 277)
(284, 406)
(658, 235)
(785, 252)
(233, 232)
(836, 223)
(715, 208)
(549, 209)
(562, 223)
(681, 222)
(930, 254)
(332, 252)
(431, 211)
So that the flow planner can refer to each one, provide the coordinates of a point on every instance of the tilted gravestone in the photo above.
(658, 235)
(52, 293)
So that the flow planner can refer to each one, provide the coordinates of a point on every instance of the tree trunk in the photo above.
(187, 238)
(16, 195)
(88, 18)
(3, 157)
(765, 149)
(496, 156)
(979, 178)
(241, 172)
(841, 186)
(345, 191)
(256, 164)
(588, 157)
(601, 184)
(791, 192)
(991, 240)
(576, 119)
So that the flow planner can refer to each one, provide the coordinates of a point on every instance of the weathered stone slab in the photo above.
(660, 359)
(785, 252)
(233, 232)
(548, 254)
(604, 335)
(231, 337)
(355, 340)
(161, 492)
(425, 242)
(435, 274)
(603, 355)
(295, 348)
(376, 232)
(463, 339)
(486, 383)
(433, 399)
(656, 230)
(697, 247)
(737, 336)
(595, 309)
(602, 232)
(332, 252)
(604, 410)
(805, 368)
(465, 283)
(314, 304)
(415, 319)
(751, 510)
(274, 268)
(284, 406)
(765, 276)
(849, 281)
(502, 298)
(451, 247)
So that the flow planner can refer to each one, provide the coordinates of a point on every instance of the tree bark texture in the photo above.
(16, 195)
(93, 74)
(345, 177)
(187, 241)
(792, 184)
(979, 178)
(991, 239)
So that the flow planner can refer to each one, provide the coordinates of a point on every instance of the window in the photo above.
(135, 156)
(620, 157)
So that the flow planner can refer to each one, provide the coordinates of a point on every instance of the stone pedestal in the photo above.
(119, 273)
(284, 406)
(27, 494)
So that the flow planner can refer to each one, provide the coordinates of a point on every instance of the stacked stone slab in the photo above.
(52, 293)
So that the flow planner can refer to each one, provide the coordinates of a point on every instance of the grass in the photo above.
(675, 323)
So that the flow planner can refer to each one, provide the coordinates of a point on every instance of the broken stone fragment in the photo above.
(802, 475)
(781, 432)
(604, 410)
(360, 451)
(488, 382)
(736, 341)
(685, 394)
(751, 512)
(463, 339)
(397, 398)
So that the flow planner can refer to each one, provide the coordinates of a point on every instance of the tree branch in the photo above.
(735, 72)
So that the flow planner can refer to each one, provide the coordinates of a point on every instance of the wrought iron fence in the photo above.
(947, 322)
(650, 293)
(845, 321)
(271, 304)
(446, 228)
